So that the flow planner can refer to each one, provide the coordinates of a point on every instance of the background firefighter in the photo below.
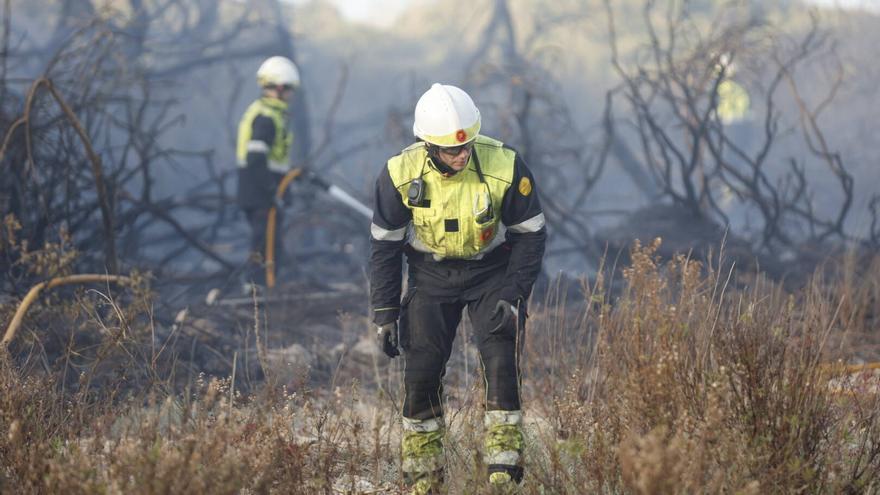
(262, 152)
(464, 209)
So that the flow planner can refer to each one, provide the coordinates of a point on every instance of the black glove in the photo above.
(508, 314)
(386, 337)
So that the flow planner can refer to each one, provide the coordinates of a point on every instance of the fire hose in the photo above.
(37, 289)
(334, 191)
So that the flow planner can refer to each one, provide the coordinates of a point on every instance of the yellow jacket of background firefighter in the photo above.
(262, 151)
(279, 151)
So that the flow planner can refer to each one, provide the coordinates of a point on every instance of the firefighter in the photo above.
(464, 210)
(734, 102)
(262, 153)
(733, 111)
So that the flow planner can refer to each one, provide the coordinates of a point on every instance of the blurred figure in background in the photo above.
(734, 113)
(262, 152)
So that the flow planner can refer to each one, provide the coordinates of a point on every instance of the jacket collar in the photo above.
(274, 103)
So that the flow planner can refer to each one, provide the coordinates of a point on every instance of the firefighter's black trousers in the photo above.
(258, 219)
(430, 313)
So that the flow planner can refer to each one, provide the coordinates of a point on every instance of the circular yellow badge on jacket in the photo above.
(525, 186)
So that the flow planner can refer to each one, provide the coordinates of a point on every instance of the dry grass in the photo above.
(685, 378)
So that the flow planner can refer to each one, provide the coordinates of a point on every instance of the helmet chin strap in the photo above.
(433, 154)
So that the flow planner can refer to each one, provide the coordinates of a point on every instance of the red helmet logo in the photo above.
(461, 135)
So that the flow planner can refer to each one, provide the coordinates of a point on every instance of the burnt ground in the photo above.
(295, 333)
(315, 338)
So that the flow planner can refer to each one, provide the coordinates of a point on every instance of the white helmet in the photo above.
(725, 63)
(446, 116)
(278, 71)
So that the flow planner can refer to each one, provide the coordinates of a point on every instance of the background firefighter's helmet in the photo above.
(446, 116)
(278, 71)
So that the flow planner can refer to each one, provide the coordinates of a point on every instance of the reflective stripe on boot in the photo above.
(422, 448)
(504, 442)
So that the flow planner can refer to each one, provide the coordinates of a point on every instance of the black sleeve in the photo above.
(256, 183)
(387, 237)
(262, 129)
(521, 213)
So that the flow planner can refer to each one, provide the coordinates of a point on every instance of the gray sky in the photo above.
(866, 4)
(382, 13)
(374, 12)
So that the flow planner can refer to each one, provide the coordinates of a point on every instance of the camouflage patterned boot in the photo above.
(504, 447)
(423, 458)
